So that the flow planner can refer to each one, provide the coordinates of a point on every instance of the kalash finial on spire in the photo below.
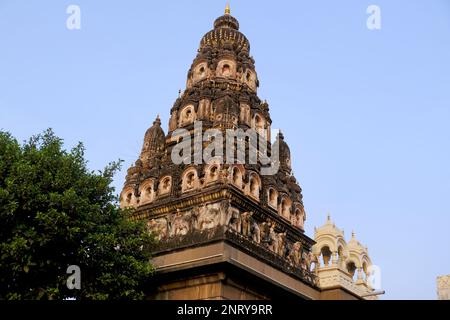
(157, 121)
(227, 9)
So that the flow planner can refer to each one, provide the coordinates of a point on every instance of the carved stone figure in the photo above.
(159, 227)
(209, 217)
(246, 226)
(195, 214)
(235, 220)
(273, 240)
(281, 244)
(180, 224)
(225, 211)
(256, 232)
(264, 231)
(295, 253)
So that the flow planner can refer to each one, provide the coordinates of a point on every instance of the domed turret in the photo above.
(225, 32)
(154, 141)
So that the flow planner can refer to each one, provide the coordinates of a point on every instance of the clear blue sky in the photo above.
(366, 113)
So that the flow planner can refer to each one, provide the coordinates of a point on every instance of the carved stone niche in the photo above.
(254, 186)
(187, 115)
(299, 217)
(147, 191)
(285, 208)
(236, 177)
(212, 172)
(128, 198)
(165, 185)
(226, 68)
(190, 180)
(272, 198)
(201, 71)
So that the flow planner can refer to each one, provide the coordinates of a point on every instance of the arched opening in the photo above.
(190, 177)
(273, 198)
(166, 185)
(213, 172)
(286, 209)
(326, 255)
(147, 192)
(128, 198)
(351, 268)
(187, 115)
(254, 188)
(226, 70)
(237, 177)
(299, 218)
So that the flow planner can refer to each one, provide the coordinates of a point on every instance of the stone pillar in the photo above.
(360, 274)
(334, 259)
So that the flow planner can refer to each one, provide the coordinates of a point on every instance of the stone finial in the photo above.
(157, 121)
(227, 9)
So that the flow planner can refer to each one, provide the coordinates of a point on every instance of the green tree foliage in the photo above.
(54, 213)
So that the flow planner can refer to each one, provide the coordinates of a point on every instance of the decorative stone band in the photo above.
(261, 250)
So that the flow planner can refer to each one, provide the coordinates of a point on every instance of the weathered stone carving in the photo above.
(281, 243)
(180, 224)
(246, 226)
(235, 220)
(159, 227)
(209, 217)
(295, 253)
(256, 232)
(273, 240)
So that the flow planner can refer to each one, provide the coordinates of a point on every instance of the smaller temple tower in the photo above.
(341, 264)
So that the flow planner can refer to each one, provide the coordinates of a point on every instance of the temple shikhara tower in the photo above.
(225, 230)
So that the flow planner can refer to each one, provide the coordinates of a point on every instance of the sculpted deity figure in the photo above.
(180, 224)
(265, 228)
(281, 243)
(159, 227)
(190, 181)
(255, 232)
(295, 252)
(235, 221)
(246, 226)
(195, 214)
(226, 211)
(273, 240)
(209, 217)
